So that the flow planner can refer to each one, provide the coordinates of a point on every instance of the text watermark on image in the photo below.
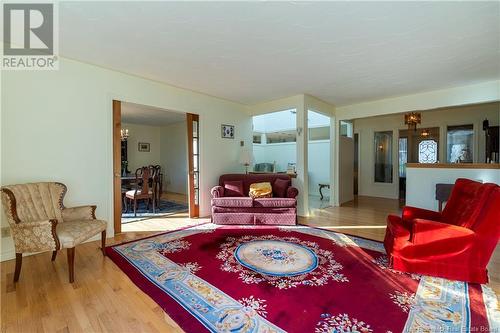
(30, 36)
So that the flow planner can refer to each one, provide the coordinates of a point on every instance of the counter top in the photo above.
(454, 165)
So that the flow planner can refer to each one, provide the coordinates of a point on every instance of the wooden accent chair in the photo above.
(142, 189)
(157, 183)
(40, 222)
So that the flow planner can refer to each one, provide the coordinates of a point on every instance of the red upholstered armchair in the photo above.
(455, 244)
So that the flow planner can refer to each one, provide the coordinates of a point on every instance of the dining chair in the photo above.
(142, 190)
(157, 183)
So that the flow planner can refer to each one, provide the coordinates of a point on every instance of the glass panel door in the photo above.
(383, 157)
(193, 131)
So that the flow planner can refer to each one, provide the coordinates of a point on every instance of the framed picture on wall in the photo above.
(227, 131)
(144, 146)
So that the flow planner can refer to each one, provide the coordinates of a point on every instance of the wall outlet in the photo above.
(5, 232)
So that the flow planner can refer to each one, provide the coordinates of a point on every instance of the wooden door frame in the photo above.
(117, 193)
(194, 209)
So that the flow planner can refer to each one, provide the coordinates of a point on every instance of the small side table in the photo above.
(321, 186)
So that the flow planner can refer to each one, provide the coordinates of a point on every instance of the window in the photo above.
(403, 156)
(319, 133)
(346, 129)
(383, 157)
(279, 137)
(427, 151)
(459, 144)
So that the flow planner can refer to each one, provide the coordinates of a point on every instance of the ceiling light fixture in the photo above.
(412, 119)
(124, 134)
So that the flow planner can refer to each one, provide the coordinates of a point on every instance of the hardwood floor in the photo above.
(103, 299)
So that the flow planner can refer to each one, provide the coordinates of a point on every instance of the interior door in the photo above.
(193, 131)
(117, 194)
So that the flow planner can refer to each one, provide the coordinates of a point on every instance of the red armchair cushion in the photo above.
(233, 188)
(426, 232)
(280, 186)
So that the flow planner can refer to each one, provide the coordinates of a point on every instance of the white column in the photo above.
(302, 180)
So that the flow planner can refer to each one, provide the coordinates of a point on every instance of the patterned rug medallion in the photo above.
(295, 279)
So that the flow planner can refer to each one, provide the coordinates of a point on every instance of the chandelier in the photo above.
(412, 119)
(425, 133)
(124, 134)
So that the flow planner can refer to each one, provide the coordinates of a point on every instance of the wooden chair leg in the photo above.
(71, 263)
(135, 207)
(54, 254)
(103, 242)
(19, 262)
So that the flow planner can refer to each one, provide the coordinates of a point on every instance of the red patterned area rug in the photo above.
(295, 279)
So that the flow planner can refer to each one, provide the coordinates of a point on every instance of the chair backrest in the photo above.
(142, 176)
(34, 201)
(465, 203)
(487, 226)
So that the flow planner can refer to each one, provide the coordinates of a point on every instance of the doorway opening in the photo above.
(419, 146)
(275, 142)
(156, 166)
(318, 160)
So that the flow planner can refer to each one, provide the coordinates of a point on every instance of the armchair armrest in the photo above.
(425, 231)
(79, 213)
(410, 213)
(35, 236)
(292, 192)
(398, 227)
(217, 192)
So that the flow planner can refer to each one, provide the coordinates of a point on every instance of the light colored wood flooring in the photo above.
(172, 222)
(103, 299)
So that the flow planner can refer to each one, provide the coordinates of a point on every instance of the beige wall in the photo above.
(57, 126)
(365, 127)
(173, 143)
(168, 148)
(147, 134)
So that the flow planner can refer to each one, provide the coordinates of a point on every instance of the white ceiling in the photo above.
(341, 52)
(148, 115)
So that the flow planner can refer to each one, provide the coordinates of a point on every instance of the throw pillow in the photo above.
(261, 190)
(233, 188)
(280, 186)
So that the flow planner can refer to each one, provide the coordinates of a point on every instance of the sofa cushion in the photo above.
(274, 202)
(232, 202)
(251, 178)
(233, 188)
(279, 187)
(72, 233)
